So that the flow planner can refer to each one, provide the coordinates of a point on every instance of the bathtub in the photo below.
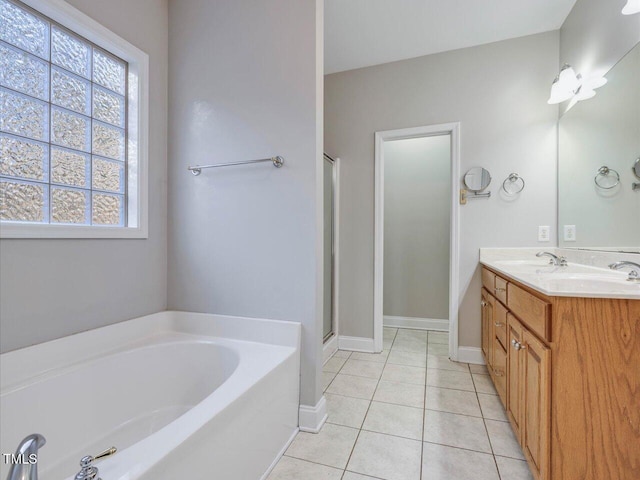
(180, 395)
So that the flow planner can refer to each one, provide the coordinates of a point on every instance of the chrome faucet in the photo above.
(634, 274)
(553, 259)
(24, 464)
(88, 471)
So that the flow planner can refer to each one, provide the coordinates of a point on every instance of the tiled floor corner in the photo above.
(408, 413)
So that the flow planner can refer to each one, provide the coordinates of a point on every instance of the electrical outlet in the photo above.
(569, 233)
(544, 233)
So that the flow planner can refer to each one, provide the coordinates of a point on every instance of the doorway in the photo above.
(416, 230)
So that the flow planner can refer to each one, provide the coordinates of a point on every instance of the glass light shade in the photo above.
(559, 93)
(594, 82)
(568, 79)
(632, 6)
(585, 93)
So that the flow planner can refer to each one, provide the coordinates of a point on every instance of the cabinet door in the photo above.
(535, 425)
(515, 358)
(487, 304)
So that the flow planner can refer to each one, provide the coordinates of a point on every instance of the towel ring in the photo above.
(605, 171)
(517, 183)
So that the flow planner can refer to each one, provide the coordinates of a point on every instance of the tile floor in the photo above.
(406, 414)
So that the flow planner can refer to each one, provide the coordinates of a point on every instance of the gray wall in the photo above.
(53, 288)
(595, 36)
(499, 94)
(246, 82)
(417, 198)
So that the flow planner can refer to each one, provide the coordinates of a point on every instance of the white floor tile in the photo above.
(443, 363)
(484, 384)
(491, 407)
(370, 357)
(399, 357)
(409, 345)
(356, 476)
(387, 457)
(347, 411)
(342, 354)
(361, 368)
(332, 446)
(334, 364)
(439, 337)
(289, 468)
(396, 420)
(327, 378)
(452, 401)
(438, 349)
(481, 369)
(404, 374)
(503, 441)
(352, 386)
(450, 379)
(512, 469)
(408, 394)
(456, 430)
(408, 333)
(446, 463)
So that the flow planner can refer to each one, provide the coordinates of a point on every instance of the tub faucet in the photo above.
(634, 274)
(88, 471)
(554, 259)
(24, 464)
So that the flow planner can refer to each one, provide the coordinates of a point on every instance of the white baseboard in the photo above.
(312, 418)
(329, 348)
(356, 344)
(417, 323)
(279, 456)
(470, 355)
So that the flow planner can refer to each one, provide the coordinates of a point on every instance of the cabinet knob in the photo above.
(498, 373)
(498, 324)
(517, 345)
(498, 289)
(483, 304)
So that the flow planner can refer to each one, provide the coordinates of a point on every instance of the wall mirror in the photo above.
(603, 131)
(477, 179)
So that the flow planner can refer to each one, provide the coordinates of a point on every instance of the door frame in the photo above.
(452, 129)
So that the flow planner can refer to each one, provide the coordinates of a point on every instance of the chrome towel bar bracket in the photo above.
(277, 162)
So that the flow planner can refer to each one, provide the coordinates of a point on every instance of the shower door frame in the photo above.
(452, 129)
(330, 342)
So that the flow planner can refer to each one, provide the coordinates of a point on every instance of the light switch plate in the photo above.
(544, 233)
(569, 233)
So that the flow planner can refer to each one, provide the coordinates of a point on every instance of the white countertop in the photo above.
(575, 280)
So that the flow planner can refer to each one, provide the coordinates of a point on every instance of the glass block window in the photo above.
(63, 118)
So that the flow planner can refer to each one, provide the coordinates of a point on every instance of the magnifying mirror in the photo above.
(636, 168)
(477, 179)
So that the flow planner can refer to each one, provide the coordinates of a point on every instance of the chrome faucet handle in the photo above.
(563, 262)
(634, 276)
(88, 471)
(553, 259)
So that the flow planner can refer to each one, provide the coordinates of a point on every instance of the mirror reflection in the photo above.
(477, 179)
(599, 144)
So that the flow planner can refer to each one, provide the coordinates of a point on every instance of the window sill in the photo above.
(13, 230)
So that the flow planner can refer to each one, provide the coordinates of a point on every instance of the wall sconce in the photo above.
(632, 6)
(571, 86)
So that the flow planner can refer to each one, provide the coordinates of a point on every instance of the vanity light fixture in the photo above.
(571, 86)
(632, 6)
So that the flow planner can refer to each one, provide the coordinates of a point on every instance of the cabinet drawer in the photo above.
(536, 313)
(488, 280)
(500, 323)
(499, 370)
(501, 289)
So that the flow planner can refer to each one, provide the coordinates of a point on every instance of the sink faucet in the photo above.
(24, 464)
(553, 259)
(88, 471)
(634, 275)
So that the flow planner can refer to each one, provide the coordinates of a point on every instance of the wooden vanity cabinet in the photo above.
(571, 383)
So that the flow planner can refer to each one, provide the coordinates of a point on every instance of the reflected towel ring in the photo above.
(605, 172)
(515, 184)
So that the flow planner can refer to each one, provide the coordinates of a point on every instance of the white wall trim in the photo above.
(452, 129)
(280, 454)
(312, 418)
(417, 323)
(356, 344)
(329, 348)
(470, 355)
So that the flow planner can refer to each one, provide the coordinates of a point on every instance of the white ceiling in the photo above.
(360, 33)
